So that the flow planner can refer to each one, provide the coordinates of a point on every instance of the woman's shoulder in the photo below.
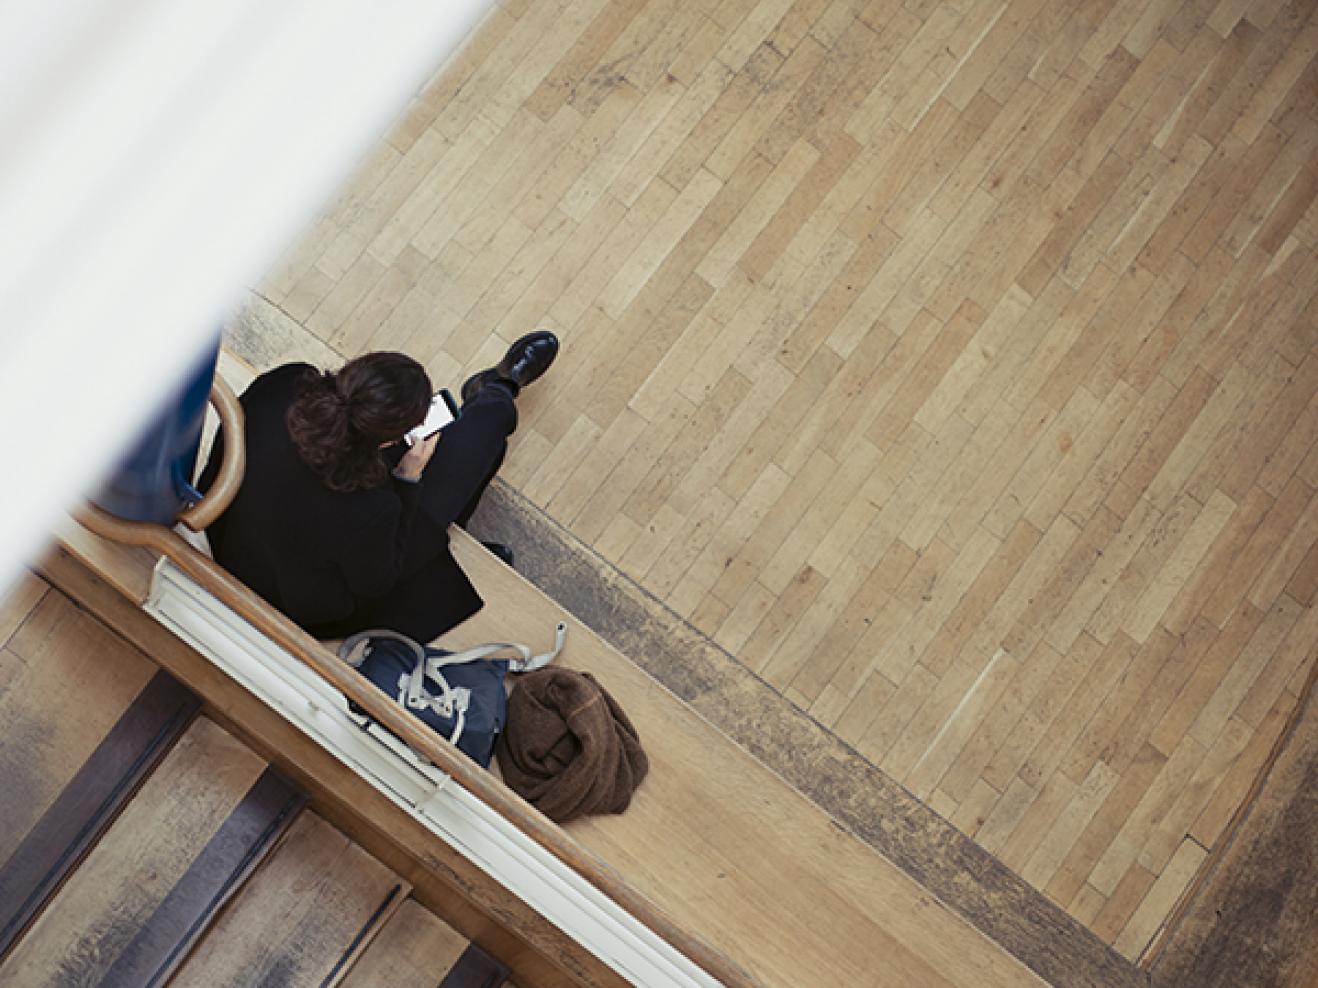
(277, 386)
(284, 374)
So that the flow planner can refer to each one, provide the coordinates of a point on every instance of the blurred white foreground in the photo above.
(155, 157)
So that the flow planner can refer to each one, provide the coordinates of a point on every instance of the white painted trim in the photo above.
(449, 811)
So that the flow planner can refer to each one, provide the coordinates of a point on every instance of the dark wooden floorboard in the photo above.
(302, 919)
(475, 969)
(91, 801)
(413, 950)
(368, 929)
(250, 831)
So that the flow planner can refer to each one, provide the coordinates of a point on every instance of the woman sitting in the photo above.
(340, 527)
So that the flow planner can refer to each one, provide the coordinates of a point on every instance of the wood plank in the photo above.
(69, 685)
(1161, 897)
(20, 600)
(116, 915)
(90, 801)
(213, 877)
(475, 968)
(1260, 882)
(408, 952)
(316, 903)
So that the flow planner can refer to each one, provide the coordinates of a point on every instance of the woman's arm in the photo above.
(380, 549)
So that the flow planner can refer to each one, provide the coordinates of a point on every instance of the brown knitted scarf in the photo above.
(568, 748)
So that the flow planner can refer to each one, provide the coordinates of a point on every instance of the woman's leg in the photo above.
(467, 457)
(469, 454)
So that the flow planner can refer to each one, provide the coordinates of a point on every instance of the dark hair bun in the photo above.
(338, 421)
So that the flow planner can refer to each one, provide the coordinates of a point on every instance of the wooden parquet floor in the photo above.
(953, 364)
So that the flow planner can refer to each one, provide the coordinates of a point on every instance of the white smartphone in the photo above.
(443, 410)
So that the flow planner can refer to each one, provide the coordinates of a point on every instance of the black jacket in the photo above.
(333, 562)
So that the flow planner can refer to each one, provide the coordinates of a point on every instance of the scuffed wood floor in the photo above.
(952, 364)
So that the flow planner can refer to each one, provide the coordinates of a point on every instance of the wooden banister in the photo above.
(232, 467)
(444, 756)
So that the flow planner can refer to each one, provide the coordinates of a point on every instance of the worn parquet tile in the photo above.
(952, 364)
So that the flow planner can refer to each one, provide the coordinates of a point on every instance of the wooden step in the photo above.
(465, 899)
(144, 894)
(315, 904)
(416, 949)
(318, 910)
(87, 716)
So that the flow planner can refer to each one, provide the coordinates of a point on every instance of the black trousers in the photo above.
(469, 453)
(433, 594)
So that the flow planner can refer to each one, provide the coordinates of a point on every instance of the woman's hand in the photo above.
(416, 458)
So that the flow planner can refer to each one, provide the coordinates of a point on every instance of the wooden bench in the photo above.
(721, 844)
(730, 850)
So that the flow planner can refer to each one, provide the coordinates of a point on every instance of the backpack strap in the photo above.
(351, 644)
(525, 662)
(416, 697)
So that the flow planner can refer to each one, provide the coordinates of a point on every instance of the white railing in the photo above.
(472, 828)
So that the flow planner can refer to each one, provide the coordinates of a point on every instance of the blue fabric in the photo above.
(153, 482)
(389, 662)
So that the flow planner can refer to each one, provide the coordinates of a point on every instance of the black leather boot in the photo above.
(504, 552)
(525, 361)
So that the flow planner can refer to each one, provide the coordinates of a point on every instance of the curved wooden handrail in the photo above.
(232, 467)
(445, 757)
